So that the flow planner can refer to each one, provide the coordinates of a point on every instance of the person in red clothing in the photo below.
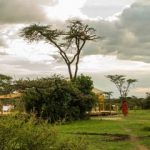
(125, 108)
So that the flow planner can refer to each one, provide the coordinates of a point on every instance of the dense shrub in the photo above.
(56, 99)
(73, 144)
(84, 84)
(146, 103)
(24, 134)
(21, 132)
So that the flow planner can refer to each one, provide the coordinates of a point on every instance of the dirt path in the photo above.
(135, 140)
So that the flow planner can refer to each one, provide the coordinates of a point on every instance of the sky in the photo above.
(125, 48)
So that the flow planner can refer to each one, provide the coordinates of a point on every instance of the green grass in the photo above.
(112, 134)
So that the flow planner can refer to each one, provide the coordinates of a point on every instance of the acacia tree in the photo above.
(69, 42)
(122, 84)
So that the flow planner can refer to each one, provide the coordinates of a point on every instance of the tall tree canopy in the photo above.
(69, 42)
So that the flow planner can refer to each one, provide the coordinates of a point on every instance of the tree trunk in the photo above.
(70, 72)
(76, 68)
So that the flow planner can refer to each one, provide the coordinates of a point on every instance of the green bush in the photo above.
(22, 132)
(146, 103)
(84, 84)
(25, 134)
(57, 99)
(73, 144)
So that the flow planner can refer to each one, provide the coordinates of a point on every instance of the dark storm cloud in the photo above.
(23, 11)
(98, 10)
(19, 63)
(128, 37)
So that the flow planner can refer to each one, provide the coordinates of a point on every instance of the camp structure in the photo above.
(101, 98)
(9, 106)
(11, 95)
(100, 109)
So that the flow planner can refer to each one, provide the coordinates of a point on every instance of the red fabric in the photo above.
(125, 108)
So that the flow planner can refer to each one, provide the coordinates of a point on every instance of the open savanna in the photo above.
(113, 132)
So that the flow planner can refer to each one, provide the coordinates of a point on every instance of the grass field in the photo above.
(113, 133)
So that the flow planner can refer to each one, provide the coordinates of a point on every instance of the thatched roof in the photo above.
(11, 95)
(97, 91)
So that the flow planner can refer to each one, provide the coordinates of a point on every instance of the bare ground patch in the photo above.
(108, 137)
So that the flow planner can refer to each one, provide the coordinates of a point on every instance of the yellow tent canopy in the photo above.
(101, 98)
(97, 91)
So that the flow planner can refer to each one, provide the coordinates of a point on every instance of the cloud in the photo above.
(48, 2)
(13, 65)
(128, 37)
(144, 2)
(3, 53)
(138, 89)
(2, 43)
(19, 11)
(97, 11)
(141, 90)
(103, 8)
(66, 9)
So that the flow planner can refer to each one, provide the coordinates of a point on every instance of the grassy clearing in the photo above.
(129, 133)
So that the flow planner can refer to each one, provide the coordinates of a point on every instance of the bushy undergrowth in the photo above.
(21, 132)
(57, 99)
(73, 144)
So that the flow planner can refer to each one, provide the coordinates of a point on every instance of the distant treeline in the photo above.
(133, 102)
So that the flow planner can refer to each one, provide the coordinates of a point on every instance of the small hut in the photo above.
(101, 96)
(6, 101)
(101, 108)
